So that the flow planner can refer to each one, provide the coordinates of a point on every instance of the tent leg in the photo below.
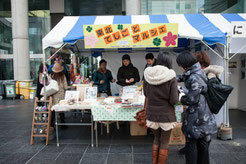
(226, 80)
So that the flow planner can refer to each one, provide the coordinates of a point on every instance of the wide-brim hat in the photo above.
(57, 68)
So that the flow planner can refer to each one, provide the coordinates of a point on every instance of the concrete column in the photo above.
(19, 10)
(133, 7)
(57, 11)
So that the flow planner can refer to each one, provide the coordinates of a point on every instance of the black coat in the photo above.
(198, 119)
(127, 72)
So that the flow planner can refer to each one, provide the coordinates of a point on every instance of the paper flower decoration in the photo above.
(120, 27)
(157, 41)
(91, 40)
(170, 39)
(89, 28)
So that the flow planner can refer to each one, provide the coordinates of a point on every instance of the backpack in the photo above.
(216, 94)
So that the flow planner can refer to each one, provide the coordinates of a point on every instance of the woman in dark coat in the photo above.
(199, 123)
(127, 73)
(161, 92)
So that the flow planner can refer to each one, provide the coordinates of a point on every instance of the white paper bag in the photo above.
(51, 89)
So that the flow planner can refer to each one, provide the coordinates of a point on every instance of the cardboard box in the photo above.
(136, 130)
(177, 137)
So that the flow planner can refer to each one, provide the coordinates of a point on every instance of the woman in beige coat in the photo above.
(59, 76)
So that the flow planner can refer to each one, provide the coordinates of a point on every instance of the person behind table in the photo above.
(58, 75)
(103, 77)
(161, 91)
(127, 73)
(199, 123)
(150, 61)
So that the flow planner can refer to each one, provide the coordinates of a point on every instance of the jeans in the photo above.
(197, 150)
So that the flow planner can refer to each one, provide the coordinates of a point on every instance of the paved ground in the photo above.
(116, 148)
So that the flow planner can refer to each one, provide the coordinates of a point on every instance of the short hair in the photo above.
(186, 60)
(164, 59)
(149, 56)
(203, 58)
(102, 61)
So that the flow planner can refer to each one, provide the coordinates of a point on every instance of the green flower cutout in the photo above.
(89, 28)
(157, 42)
(120, 27)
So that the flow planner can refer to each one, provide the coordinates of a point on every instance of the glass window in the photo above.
(6, 69)
(34, 66)
(6, 46)
(93, 7)
(39, 24)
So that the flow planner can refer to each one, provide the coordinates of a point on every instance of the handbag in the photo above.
(141, 116)
(51, 89)
(216, 94)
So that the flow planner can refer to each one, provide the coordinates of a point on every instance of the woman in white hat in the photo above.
(59, 76)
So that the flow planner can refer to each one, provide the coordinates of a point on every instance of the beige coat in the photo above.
(60, 95)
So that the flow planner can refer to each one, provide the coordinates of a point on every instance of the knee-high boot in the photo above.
(155, 153)
(162, 156)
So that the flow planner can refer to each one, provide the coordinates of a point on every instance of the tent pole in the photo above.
(56, 52)
(212, 49)
(237, 52)
(226, 79)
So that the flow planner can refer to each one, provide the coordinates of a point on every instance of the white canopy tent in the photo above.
(208, 28)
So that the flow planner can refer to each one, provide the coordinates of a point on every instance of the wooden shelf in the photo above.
(40, 123)
(39, 135)
(44, 123)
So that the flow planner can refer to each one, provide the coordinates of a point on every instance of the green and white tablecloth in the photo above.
(113, 113)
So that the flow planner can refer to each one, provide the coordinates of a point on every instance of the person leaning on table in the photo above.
(127, 73)
(161, 91)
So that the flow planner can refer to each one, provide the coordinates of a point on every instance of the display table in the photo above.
(68, 108)
(114, 112)
(100, 112)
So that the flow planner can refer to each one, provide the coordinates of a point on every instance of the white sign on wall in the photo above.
(238, 29)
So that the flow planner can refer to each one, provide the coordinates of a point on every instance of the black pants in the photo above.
(197, 150)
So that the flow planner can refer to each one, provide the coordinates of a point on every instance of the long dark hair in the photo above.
(41, 66)
(164, 59)
(59, 77)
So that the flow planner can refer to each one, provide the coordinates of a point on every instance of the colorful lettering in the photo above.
(162, 29)
(136, 38)
(145, 35)
(153, 32)
(99, 32)
(135, 28)
(108, 39)
(116, 36)
(108, 29)
(125, 32)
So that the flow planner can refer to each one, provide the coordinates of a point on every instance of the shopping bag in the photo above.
(51, 89)
(141, 116)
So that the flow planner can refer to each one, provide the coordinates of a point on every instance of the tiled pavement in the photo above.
(116, 148)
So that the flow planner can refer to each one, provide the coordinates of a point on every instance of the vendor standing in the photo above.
(127, 73)
(103, 77)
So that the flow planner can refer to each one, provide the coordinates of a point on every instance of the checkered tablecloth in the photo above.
(114, 113)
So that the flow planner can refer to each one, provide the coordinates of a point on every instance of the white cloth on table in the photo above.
(66, 107)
